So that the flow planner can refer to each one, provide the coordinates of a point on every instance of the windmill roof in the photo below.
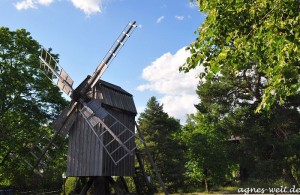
(115, 96)
(113, 86)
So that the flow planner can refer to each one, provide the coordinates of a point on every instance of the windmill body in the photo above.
(101, 140)
(98, 153)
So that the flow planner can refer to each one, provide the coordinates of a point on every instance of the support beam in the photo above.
(151, 161)
(87, 186)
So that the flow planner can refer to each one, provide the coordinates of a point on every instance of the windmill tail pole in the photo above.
(152, 162)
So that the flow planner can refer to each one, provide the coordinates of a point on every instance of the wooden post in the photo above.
(118, 189)
(87, 186)
(151, 161)
(101, 186)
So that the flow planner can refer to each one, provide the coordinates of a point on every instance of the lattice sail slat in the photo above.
(116, 139)
(55, 72)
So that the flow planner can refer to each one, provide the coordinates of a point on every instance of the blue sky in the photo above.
(82, 31)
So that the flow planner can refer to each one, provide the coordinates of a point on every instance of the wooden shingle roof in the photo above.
(115, 96)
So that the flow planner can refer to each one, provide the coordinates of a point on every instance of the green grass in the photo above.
(227, 189)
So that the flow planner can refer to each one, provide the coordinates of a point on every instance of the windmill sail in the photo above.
(55, 72)
(62, 124)
(64, 82)
(65, 120)
(115, 136)
(44, 148)
(112, 53)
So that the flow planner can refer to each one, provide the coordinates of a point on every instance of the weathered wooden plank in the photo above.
(87, 156)
(117, 98)
(72, 150)
(85, 151)
(98, 153)
(79, 146)
(90, 152)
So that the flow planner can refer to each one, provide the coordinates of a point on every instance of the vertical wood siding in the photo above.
(86, 155)
(126, 166)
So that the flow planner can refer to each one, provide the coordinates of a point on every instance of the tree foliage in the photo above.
(28, 103)
(246, 33)
(207, 151)
(265, 139)
(160, 133)
(249, 91)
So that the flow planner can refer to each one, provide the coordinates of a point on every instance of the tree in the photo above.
(228, 101)
(250, 86)
(28, 103)
(246, 33)
(207, 151)
(160, 132)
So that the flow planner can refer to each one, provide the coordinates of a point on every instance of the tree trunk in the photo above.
(206, 185)
(206, 180)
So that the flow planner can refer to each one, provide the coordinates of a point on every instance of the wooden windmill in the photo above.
(99, 123)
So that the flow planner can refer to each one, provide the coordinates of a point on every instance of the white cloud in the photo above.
(159, 20)
(88, 6)
(179, 106)
(25, 4)
(179, 17)
(177, 88)
(32, 4)
(45, 2)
